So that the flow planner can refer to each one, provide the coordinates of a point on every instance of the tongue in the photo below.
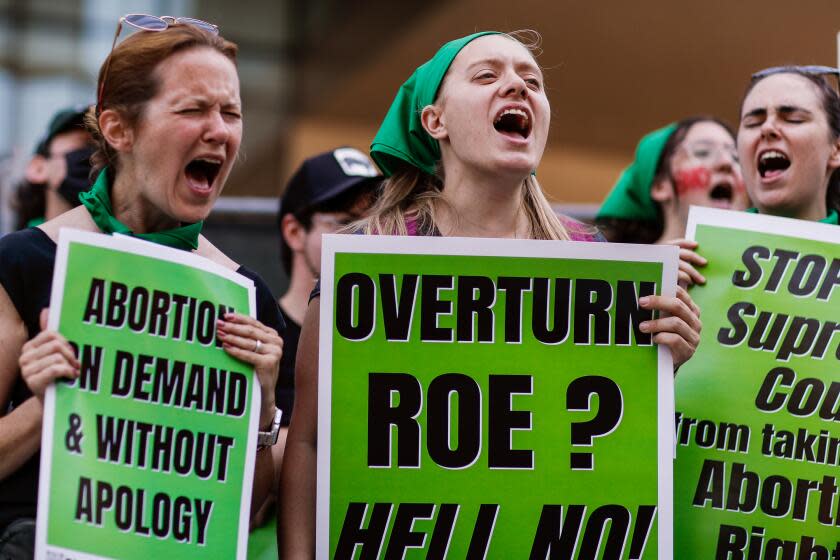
(196, 179)
(772, 173)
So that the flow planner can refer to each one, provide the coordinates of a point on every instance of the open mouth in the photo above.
(514, 122)
(201, 172)
(772, 163)
(722, 192)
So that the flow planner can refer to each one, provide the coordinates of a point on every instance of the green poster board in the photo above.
(758, 441)
(492, 399)
(150, 453)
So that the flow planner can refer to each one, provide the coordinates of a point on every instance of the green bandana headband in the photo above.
(630, 197)
(401, 138)
(98, 202)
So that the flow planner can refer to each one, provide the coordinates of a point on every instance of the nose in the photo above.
(515, 86)
(725, 160)
(769, 128)
(216, 130)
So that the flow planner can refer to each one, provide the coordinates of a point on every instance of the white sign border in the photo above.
(773, 225)
(333, 244)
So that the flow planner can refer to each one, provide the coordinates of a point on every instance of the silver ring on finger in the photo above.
(257, 346)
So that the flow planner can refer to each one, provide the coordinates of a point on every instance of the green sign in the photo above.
(150, 452)
(492, 398)
(758, 441)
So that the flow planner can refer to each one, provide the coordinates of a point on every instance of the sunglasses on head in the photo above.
(145, 22)
(813, 70)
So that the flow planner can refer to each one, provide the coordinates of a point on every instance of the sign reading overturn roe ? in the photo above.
(492, 398)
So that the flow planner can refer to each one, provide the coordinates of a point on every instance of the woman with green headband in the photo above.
(168, 128)
(459, 145)
(691, 162)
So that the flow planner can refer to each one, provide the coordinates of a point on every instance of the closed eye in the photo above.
(533, 83)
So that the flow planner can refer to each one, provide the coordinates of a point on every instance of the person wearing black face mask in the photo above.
(58, 171)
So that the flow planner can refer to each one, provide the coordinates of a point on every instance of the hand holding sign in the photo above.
(606, 420)
(46, 358)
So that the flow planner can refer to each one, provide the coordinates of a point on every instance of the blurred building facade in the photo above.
(316, 74)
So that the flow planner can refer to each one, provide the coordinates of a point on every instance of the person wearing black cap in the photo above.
(58, 171)
(326, 193)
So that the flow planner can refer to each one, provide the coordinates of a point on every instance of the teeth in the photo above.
(772, 154)
(209, 160)
(518, 112)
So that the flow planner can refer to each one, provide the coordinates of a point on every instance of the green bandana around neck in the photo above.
(630, 197)
(98, 202)
(831, 219)
(401, 138)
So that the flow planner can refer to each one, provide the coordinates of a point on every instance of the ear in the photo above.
(662, 190)
(293, 232)
(432, 120)
(115, 130)
(36, 170)
(834, 158)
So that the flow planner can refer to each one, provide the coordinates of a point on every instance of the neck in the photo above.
(296, 299)
(483, 205)
(675, 221)
(813, 212)
(55, 205)
(133, 209)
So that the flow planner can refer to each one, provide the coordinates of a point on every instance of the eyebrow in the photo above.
(781, 109)
(495, 61)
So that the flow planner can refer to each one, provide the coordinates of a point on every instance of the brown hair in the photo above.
(411, 193)
(830, 100)
(130, 80)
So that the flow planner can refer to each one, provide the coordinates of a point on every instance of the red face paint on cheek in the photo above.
(693, 178)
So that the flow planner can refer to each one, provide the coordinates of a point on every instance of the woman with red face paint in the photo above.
(168, 128)
(789, 147)
(458, 147)
(691, 162)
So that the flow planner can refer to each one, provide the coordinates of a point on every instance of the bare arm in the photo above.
(20, 430)
(296, 523)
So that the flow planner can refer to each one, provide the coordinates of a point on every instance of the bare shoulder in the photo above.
(210, 251)
(77, 218)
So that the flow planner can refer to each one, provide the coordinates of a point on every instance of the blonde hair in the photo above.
(411, 194)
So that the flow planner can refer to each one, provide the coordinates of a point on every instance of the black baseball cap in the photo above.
(324, 177)
(319, 180)
(63, 121)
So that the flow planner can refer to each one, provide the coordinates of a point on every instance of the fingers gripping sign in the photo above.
(252, 342)
(47, 357)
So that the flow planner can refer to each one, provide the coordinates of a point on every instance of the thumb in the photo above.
(44, 317)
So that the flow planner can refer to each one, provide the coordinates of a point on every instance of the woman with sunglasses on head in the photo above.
(789, 145)
(168, 127)
(459, 147)
(691, 162)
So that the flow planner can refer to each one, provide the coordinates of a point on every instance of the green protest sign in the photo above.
(150, 452)
(758, 444)
(492, 399)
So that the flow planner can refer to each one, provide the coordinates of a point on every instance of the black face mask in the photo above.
(77, 179)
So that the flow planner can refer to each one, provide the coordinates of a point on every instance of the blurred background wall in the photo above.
(317, 74)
